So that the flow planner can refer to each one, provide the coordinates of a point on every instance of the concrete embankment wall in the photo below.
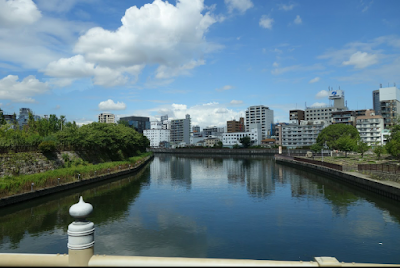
(227, 151)
(384, 188)
(67, 186)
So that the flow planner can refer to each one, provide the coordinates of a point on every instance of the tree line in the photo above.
(48, 134)
(347, 138)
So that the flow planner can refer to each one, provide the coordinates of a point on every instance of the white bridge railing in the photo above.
(81, 253)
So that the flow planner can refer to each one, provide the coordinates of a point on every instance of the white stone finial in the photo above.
(80, 210)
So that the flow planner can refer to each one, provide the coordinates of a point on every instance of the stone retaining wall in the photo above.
(67, 186)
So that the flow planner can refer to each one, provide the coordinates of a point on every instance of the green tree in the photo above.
(32, 126)
(393, 144)
(333, 133)
(219, 144)
(62, 121)
(2, 119)
(379, 150)
(245, 141)
(362, 147)
(123, 122)
(316, 148)
(15, 122)
(346, 144)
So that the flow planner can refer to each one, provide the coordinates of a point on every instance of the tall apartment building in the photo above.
(235, 126)
(370, 127)
(139, 123)
(180, 130)
(295, 116)
(375, 102)
(106, 118)
(346, 117)
(295, 136)
(389, 104)
(262, 115)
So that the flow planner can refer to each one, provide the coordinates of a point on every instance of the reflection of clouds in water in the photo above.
(166, 233)
(387, 217)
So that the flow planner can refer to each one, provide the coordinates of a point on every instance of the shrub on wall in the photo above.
(47, 146)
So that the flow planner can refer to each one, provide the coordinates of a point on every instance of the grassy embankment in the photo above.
(352, 160)
(11, 185)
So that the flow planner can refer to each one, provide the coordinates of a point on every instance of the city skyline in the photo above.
(209, 59)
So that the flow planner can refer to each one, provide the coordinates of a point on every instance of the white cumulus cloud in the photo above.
(111, 105)
(319, 104)
(361, 60)
(266, 22)
(322, 94)
(207, 114)
(286, 7)
(314, 80)
(298, 20)
(18, 12)
(12, 89)
(236, 102)
(158, 33)
(227, 87)
(240, 5)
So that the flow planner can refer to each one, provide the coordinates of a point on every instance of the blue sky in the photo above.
(210, 59)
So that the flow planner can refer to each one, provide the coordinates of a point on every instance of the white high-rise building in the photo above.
(387, 103)
(157, 135)
(371, 128)
(262, 115)
(180, 130)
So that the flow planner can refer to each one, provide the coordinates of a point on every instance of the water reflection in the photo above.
(169, 169)
(34, 219)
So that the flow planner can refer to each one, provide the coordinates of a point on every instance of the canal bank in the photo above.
(385, 188)
(228, 151)
(15, 199)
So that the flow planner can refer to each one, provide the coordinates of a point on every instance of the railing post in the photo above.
(80, 235)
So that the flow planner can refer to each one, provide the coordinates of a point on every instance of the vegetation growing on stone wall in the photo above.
(81, 170)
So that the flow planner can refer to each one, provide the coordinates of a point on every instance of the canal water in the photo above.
(216, 207)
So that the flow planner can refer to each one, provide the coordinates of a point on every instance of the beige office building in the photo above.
(106, 118)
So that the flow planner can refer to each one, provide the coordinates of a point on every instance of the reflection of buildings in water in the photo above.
(280, 173)
(338, 210)
(181, 172)
(260, 182)
(235, 171)
(171, 170)
(304, 187)
(160, 169)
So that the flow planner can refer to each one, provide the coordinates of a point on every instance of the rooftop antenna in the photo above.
(380, 85)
